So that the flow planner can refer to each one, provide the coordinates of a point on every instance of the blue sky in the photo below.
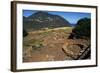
(72, 17)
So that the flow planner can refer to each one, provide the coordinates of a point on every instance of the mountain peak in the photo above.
(42, 19)
(41, 12)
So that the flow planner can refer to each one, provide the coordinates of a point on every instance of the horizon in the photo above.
(71, 17)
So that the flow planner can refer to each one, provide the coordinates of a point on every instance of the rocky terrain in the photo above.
(53, 45)
(48, 37)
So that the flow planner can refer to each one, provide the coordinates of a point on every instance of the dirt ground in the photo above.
(47, 45)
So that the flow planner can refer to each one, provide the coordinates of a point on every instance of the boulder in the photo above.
(71, 50)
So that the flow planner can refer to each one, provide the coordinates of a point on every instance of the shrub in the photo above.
(25, 33)
(83, 28)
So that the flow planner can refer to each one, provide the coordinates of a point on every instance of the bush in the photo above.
(83, 28)
(25, 33)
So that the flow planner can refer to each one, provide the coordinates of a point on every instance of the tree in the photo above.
(82, 29)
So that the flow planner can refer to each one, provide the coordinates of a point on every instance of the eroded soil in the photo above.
(48, 44)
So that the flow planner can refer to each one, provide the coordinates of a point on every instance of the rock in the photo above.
(85, 54)
(71, 50)
(80, 45)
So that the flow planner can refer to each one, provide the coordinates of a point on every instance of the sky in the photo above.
(72, 17)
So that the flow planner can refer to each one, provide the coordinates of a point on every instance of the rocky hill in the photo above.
(40, 20)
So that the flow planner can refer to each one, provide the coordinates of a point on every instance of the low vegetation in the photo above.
(82, 29)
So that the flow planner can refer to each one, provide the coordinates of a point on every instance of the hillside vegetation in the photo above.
(82, 29)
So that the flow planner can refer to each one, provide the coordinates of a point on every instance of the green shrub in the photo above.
(83, 28)
(37, 43)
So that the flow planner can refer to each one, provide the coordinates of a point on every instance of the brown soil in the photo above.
(53, 43)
